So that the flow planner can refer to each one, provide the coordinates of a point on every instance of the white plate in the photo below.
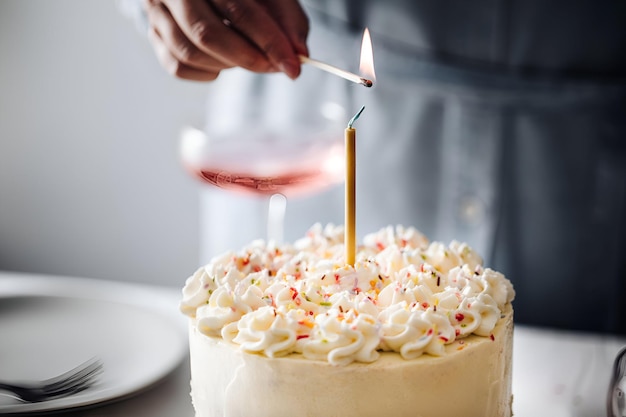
(49, 325)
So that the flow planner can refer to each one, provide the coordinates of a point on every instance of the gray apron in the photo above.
(501, 124)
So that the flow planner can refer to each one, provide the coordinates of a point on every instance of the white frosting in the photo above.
(403, 294)
(474, 371)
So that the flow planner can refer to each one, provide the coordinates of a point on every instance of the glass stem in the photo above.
(276, 218)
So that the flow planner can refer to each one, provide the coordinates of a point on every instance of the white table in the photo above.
(555, 373)
(560, 373)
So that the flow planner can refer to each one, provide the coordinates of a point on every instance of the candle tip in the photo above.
(355, 117)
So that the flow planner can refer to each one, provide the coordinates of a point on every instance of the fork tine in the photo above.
(68, 383)
(79, 381)
(85, 371)
(72, 372)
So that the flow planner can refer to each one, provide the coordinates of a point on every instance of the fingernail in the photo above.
(291, 68)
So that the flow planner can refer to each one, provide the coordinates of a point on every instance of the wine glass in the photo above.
(274, 148)
(255, 160)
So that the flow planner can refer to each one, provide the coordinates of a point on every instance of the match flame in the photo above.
(367, 57)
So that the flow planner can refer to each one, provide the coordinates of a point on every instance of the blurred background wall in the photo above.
(90, 181)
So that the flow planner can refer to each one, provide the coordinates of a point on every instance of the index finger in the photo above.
(262, 26)
(293, 20)
(208, 32)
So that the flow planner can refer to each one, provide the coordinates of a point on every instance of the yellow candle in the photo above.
(350, 232)
(350, 215)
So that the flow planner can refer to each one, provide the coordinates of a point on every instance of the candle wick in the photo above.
(356, 116)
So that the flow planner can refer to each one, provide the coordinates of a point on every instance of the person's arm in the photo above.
(196, 39)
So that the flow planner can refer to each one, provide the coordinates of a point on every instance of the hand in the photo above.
(196, 39)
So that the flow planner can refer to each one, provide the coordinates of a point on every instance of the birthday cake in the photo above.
(414, 328)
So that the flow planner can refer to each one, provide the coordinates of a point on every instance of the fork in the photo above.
(616, 399)
(69, 383)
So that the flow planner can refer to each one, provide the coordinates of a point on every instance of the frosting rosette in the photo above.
(403, 294)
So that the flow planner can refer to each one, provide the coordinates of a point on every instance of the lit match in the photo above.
(366, 65)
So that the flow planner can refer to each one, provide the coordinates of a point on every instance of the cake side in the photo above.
(472, 379)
